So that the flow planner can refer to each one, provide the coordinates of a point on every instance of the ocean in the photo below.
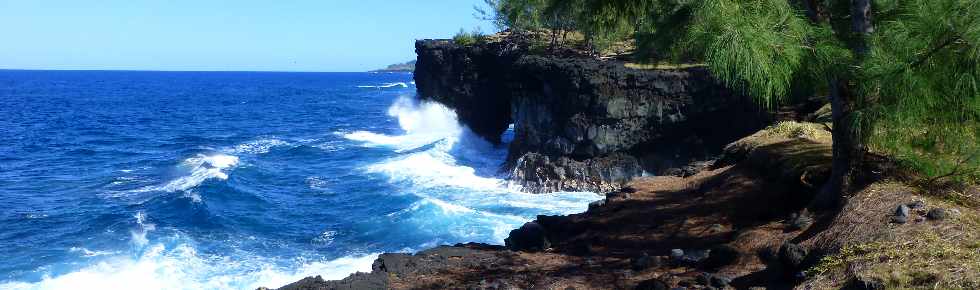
(235, 180)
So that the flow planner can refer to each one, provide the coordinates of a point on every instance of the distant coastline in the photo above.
(399, 67)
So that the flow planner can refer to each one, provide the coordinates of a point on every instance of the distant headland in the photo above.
(399, 67)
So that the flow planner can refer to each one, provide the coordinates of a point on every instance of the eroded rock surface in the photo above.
(582, 124)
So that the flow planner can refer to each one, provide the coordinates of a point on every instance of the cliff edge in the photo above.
(581, 123)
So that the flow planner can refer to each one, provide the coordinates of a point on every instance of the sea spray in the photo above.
(240, 180)
(453, 172)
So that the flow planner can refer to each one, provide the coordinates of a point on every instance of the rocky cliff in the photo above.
(582, 124)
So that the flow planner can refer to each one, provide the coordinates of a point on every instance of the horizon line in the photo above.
(213, 71)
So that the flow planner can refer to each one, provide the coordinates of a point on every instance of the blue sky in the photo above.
(243, 35)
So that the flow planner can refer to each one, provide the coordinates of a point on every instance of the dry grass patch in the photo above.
(661, 66)
(918, 255)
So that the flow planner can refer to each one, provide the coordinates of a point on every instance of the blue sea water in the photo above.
(234, 180)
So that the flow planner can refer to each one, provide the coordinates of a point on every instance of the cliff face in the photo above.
(582, 124)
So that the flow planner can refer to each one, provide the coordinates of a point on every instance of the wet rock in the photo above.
(676, 254)
(937, 214)
(720, 256)
(652, 284)
(694, 256)
(901, 214)
(597, 204)
(792, 255)
(540, 173)
(529, 237)
(645, 261)
(619, 195)
(579, 109)
(720, 281)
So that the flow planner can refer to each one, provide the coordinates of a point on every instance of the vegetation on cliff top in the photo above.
(903, 76)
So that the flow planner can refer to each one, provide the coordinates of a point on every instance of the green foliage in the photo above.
(465, 38)
(921, 82)
(917, 83)
(755, 45)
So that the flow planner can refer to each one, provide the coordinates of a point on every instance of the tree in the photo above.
(903, 75)
(890, 65)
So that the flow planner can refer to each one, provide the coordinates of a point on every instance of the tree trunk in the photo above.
(811, 11)
(848, 149)
(861, 25)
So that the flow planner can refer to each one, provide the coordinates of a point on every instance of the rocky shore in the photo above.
(582, 124)
(734, 225)
(726, 207)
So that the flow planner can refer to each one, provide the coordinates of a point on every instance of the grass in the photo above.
(465, 38)
(953, 158)
(661, 66)
(927, 255)
(794, 150)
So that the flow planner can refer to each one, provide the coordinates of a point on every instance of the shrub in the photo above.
(468, 38)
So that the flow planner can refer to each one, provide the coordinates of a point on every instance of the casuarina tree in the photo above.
(901, 75)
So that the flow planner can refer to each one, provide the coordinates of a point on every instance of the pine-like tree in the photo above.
(895, 70)
(901, 75)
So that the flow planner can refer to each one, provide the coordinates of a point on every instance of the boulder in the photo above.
(901, 214)
(676, 254)
(645, 261)
(720, 256)
(720, 281)
(652, 284)
(937, 214)
(529, 237)
(597, 204)
(792, 255)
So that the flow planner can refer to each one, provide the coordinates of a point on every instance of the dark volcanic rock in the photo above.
(645, 261)
(720, 256)
(652, 284)
(428, 262)
(529, 237)
(792, 255)
(720, 281)
(581, 124)
(901, 214)
(538, 173)
(937, 214)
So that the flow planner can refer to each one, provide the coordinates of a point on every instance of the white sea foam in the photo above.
(422, 123)
(387, 85)
(182, 267)
(455, 177)
(200, 168)
(260, 146)
(158, 266)
(89, 253)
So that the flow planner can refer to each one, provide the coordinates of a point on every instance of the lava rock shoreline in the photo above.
(581, 123)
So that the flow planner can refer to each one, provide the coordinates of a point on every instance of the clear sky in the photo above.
(241, 35)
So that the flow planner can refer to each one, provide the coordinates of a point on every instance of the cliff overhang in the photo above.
(581, 123)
